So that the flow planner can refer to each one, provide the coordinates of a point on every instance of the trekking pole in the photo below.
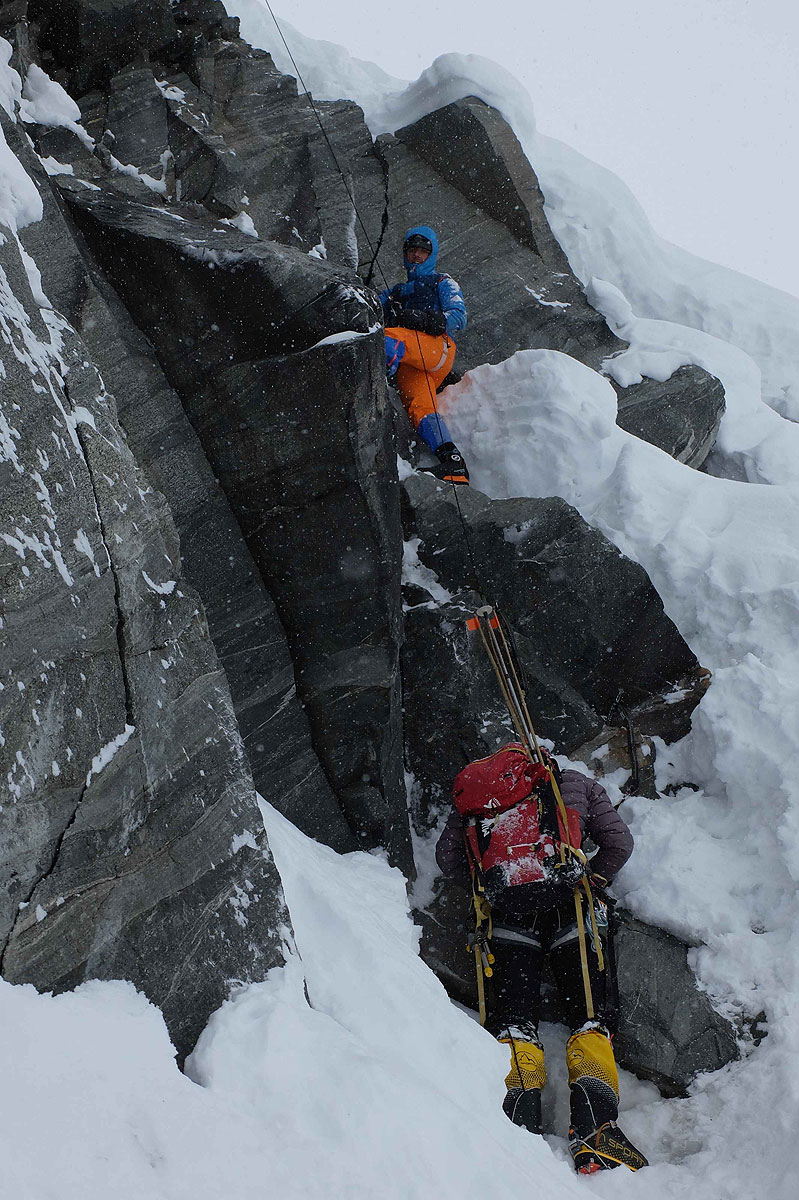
(486, 621)
(496, 646)
(481, 986)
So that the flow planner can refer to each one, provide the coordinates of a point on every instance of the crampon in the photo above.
(604, 1149)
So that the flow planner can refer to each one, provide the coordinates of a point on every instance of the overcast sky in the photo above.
(692, 102)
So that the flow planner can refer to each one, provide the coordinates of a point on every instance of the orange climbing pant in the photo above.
(427, 361)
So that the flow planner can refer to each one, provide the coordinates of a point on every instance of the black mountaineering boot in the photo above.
(523, 1106)
(451, 467)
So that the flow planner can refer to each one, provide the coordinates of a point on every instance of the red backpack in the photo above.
(514, 831)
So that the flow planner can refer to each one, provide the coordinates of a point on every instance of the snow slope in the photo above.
(381, 1089)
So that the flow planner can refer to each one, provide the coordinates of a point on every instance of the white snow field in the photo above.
(348, 1073)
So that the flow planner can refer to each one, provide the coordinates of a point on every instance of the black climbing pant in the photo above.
(520, 949)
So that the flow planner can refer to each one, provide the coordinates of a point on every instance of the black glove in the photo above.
(569, 873)
(425, 322)
(392, 313)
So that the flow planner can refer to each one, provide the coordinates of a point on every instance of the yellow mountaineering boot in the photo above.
(524, 1082)
(595, 1140)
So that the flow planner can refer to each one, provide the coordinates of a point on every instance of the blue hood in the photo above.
(428, 267)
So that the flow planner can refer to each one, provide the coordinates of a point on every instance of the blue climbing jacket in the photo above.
(428, 289)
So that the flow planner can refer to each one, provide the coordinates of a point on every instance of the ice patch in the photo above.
(243, 839)
(155, 185)
(170, 92)
(163, 589)
(346, 335)
(42, 548)
(53, 167)
(539, 296)
(84, 546)
(415, 572)
(242, 222)
(108, 751)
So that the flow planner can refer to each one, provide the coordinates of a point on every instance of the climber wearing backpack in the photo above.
(506, 838)
(421, 317)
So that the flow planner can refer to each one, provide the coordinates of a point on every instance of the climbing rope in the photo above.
(375, 262)
(383, 228)
(481, 944)
(339, 168)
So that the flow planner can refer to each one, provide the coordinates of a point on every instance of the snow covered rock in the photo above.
(277, 358)
(131, 836)
(212, 278)
(669, 1031)
(246, 630)
(521, 292)
(215, 123)
(591, 615)
(211, 135)
(681, 415)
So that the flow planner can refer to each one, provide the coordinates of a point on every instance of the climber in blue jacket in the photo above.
(421, 317)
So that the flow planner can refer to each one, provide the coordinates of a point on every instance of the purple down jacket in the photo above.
(599, 821)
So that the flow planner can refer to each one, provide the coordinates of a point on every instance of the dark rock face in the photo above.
(470, 146)
(591, 614)
(311, 500)
(131, 834)
(230, 292)
(246, 630)
(669, 1031)
(308, 479)
(87, 41)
